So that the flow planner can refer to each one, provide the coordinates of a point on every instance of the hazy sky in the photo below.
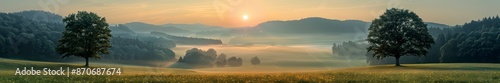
(230, 13)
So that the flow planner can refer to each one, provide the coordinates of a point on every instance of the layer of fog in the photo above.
(277, 58)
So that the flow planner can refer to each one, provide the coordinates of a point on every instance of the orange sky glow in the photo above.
(229, 13)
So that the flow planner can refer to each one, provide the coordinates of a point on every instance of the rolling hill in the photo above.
(195, 27)
(187, 40)
(39, 15)
(312, 30)
(147, 28)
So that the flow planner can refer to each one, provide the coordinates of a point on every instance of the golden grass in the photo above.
(411, 73)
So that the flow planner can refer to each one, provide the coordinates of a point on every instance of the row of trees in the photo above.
(135, 49)
(350, 50)
(233, 62)
(221, 61)
(199, 58)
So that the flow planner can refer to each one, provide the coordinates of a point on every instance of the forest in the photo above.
(475, 42)
(198, 58)
(25, 36)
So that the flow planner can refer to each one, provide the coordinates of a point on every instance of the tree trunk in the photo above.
(86, 61)
(397, 61)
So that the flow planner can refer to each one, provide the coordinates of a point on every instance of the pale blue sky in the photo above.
(229, 12)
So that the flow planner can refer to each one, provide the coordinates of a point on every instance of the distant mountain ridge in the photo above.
(313, 30)
(147, 28)
(312, 25)
(318, 25)
(120, 28)
(188, 40)
(306, 30)
(195, 27)
(438, 25)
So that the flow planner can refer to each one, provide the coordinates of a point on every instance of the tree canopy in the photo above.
(199, 58)
(87, 35)
(398, 32)
(221, 60)
(255, 60)
(234, 62)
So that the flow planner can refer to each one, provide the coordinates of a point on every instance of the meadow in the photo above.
(410, 73)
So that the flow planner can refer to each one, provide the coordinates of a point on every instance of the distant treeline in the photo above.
(135, 49)
(477, 41)
(350, 50)
(188, 40)
(24, 37)
(199, 58)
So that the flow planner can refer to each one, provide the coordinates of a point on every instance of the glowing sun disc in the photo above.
(245, 17)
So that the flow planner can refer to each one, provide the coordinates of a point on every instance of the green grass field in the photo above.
(449, 72)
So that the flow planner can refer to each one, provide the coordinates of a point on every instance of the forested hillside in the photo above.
(477, 41)
(38, 15)
(24, 37)
(27, 39)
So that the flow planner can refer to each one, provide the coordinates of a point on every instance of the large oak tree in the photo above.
(398, 32)
(87, 35)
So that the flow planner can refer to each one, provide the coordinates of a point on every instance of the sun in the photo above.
(245, 17)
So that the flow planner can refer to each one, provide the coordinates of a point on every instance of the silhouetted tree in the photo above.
(180, 59)
(239, 61)
(212, 54)
(255, 60)
(200, 58)
(197, 57)
(398, 32)
(221, 60)
(86, 35)
(234, 62)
